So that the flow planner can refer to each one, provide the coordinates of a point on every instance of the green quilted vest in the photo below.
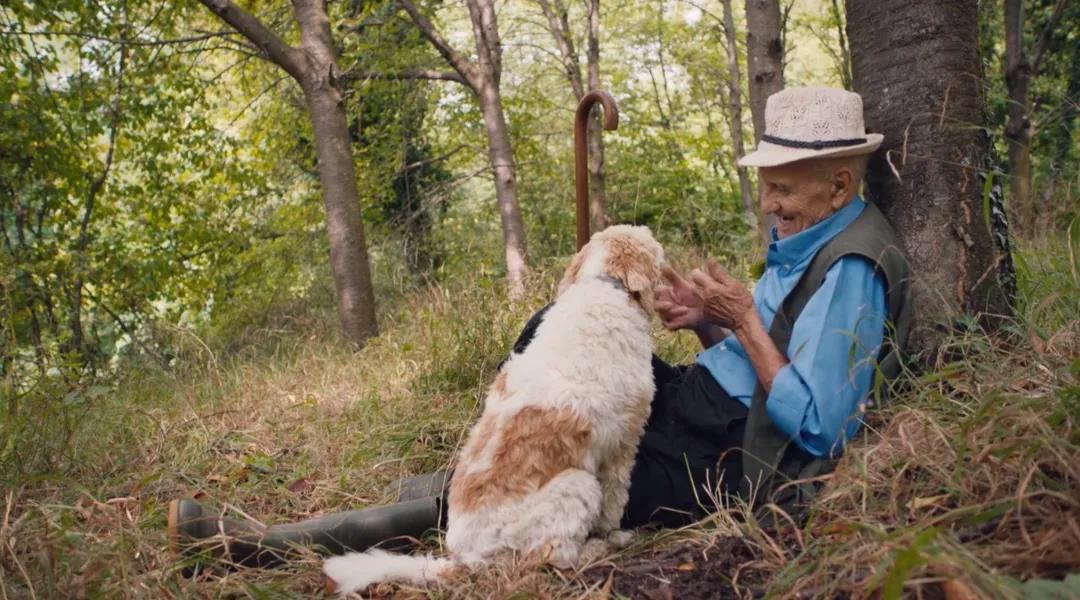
(774, 467)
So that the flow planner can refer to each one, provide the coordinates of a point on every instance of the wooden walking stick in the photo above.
(581, 154)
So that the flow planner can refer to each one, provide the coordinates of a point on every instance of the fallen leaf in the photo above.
(956, 589)
(302, 485)
(687, 566)
(923, 502)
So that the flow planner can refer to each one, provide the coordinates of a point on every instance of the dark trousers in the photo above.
(689, 456)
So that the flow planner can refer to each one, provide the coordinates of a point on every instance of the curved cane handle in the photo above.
(581, 154)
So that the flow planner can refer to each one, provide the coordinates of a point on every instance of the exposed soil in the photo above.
(723, 569)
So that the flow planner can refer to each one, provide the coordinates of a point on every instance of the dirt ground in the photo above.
(723, 569)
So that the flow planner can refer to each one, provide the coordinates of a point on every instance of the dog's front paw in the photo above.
(620, 538)
(593, 550)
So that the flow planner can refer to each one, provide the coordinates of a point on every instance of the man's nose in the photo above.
(768, 205)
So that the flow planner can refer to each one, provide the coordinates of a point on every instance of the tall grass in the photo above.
(970, 479)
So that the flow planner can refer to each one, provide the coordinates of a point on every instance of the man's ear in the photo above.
(843, 179)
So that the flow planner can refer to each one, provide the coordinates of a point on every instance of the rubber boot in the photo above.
(242, 543)
(420, 486)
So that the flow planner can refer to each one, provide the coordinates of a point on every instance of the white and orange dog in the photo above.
(546, 469)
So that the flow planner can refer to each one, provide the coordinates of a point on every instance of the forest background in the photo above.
(170, 322)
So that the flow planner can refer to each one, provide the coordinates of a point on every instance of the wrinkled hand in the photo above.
(678, 305)
(727, 302)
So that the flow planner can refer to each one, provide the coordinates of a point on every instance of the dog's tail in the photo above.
(352, 572)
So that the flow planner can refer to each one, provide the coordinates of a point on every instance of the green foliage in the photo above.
(404, 182)
(184, 338)
(1055, 88)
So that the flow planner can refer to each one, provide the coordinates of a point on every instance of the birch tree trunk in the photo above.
(917, 67)
(314, 67)
(501, 153)
(735, 96)
(598, 216)
(765, 63)
(559, 26)
(483, 77)
(764, 56)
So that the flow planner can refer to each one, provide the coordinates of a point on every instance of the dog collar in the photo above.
(613, 281)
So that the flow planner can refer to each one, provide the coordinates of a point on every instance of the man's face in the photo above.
(803, 193)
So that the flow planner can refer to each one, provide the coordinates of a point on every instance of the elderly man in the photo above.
(784, 374)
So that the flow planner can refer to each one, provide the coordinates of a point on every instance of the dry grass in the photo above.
(971, 477)
(974, 480)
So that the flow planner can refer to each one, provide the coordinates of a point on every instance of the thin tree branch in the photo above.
(272, 46)
(1044, 37)
(433, 159)
(556, 56)
(99, 182)
(456, 60)
(273, 84)
(559, 28)
(160, 360)
(429, 74)
(120, 41)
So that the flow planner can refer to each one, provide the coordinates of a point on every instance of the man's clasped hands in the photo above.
(711, 300)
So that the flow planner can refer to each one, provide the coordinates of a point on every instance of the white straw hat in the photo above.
(802, 123)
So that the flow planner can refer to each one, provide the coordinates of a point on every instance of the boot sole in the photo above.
(174, 527)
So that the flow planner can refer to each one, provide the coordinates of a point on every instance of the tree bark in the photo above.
(501, 154)
(314, 67)
(559, 26)
(917, 67)
(483, 78)
(844, 54)
(764, 56)
(598, 216)
(735, 99)
(1019, 128)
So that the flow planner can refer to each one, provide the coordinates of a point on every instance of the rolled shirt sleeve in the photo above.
(816, 398)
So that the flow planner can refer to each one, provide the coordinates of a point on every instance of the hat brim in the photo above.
(774, 155)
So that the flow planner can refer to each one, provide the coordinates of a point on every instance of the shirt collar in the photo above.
(803, 245)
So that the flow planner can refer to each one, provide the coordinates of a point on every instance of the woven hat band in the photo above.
(815, 145)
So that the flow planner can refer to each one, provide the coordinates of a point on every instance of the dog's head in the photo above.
(627, 253)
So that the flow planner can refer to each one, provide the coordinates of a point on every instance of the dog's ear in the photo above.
(631, 263)
(573, 270)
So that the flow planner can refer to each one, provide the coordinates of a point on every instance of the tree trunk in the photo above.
(765, 63)
(735, 98)
(844, 54)
(483, 77)
(314, 67)
(917, 67)
(344, 223)
(500, 148)
(598, 217)
(1018, 128)
(764, 56)
(337, 173)
(559, 25)
(501, 152)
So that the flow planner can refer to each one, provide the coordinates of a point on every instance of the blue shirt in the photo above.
(817, 397)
